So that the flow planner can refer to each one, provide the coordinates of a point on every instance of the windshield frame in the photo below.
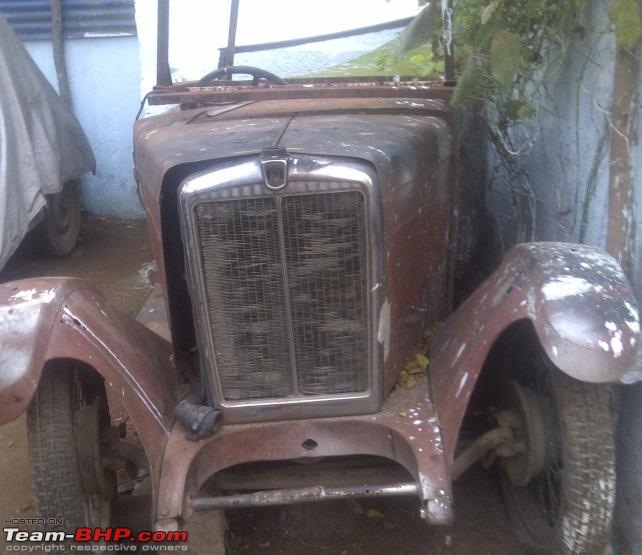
(226, 59)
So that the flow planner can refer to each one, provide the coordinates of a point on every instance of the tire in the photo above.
(58, 232)
(581, 468)
(55, 451)
(629, 499)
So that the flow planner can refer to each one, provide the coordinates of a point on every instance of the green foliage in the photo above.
(234, 544)
(510, 42)
(418, 62)
(507, 51)
(469, 86)
(625, 15)
(504, 57)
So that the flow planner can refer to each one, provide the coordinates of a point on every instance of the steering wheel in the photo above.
(255, 72)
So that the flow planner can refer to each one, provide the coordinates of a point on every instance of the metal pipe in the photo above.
(226, 57)
(259, 47)
(448, 30)
(479, 448)
(163, 74)
(293, 496)
(58, 46)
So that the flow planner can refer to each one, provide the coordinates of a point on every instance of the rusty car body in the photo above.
(305, 237)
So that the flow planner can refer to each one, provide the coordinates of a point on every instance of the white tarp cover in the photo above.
(41, 143)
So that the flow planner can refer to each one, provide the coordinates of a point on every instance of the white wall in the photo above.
(104, 75)
(568, 162)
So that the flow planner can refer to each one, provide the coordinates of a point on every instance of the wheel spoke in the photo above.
(563, 412)
(553, 498)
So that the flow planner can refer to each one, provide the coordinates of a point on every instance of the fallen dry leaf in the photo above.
(422, 360)
(390, 524)
(407, 380)
(355, 506)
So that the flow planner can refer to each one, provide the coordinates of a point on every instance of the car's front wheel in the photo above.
(560, 491)
(67, 421)
(58, 232)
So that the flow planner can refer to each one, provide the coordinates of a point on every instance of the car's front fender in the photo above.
(581, 307)
(48, 319)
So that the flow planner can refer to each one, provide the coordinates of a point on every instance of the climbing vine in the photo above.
(508, 52)
(505, 48)
(508, 56)
(625, 15)
(508, 49)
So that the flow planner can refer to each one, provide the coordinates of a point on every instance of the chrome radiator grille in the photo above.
(286, 291)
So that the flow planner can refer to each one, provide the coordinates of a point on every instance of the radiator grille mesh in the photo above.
(244, 285)
(286, 282)
(325, 253)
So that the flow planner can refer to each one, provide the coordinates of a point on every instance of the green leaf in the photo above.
(390, 524)
(533, 7)
(505, 57)
(422, 360)
(517, 109)
(468, 83)
(525, 111)
(488, 12)
(355, 506)
(418, 59)
(625, 14)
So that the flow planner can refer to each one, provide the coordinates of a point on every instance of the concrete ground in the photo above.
(116, 257)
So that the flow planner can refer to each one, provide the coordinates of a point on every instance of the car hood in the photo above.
(395, 135)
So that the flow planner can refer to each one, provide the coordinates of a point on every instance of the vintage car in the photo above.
(43, 154)
(306, 235)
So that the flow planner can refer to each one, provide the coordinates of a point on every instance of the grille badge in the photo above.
(274, 163)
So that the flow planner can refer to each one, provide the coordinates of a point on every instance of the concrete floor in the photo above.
(116, 257)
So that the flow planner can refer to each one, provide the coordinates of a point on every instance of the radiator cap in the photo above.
(274, 162)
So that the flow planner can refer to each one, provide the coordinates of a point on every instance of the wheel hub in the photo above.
(533, 430)
(97, 484)
(60, 208)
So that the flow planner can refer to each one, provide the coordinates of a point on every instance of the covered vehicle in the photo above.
(306, 234)
(43, 153)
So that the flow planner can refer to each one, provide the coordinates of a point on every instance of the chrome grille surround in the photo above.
(301, 386)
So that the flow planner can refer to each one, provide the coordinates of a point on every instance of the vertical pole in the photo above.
(624, 127)
(449, 41)
(163, 74)
(227, 55)
(58, 46)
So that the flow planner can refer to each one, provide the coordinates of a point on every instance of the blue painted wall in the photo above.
(567, 159)
(104, 75)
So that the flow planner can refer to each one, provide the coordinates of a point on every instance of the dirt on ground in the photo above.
(115, 256)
